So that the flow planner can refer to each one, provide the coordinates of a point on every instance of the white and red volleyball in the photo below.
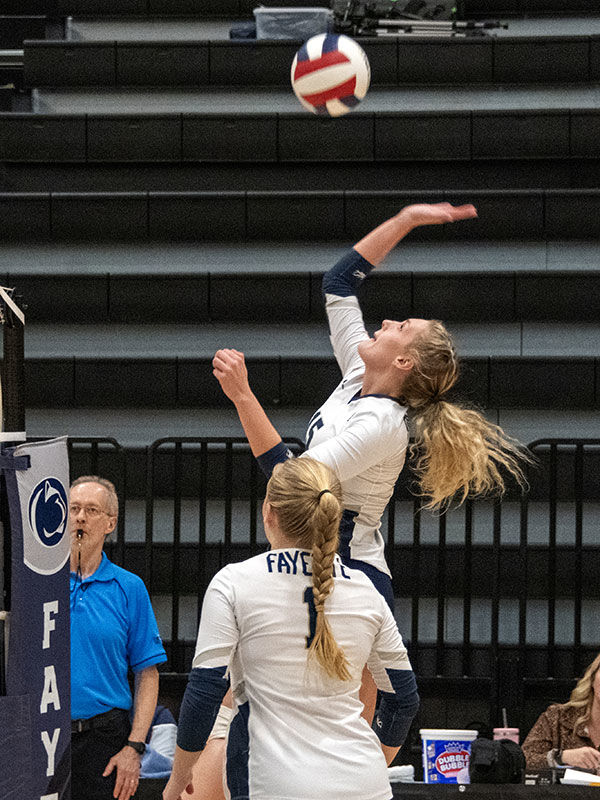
(330, 74)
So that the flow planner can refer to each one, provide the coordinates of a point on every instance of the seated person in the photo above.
(568, 734)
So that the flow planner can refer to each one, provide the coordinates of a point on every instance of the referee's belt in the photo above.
(99, 721)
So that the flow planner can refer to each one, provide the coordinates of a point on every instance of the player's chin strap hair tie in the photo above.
(322, 492)
(436, 397)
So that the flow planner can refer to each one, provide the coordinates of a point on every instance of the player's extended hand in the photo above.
(229, 368)
(584, 757)
(437, 213)
(127, 764)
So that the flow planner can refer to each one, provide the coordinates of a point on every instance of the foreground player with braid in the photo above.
(292, 630)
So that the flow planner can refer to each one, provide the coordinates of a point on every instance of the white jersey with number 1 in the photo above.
(296, 734)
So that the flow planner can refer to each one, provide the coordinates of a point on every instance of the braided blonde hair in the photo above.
(459, 451)
(582, 696)
(306, 497)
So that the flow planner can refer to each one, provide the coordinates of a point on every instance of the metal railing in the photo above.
(208, 489)
(492, 596)
(440, 561)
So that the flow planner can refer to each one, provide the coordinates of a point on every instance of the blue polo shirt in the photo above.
(113, 628)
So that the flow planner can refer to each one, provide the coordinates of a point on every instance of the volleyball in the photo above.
(330, 74)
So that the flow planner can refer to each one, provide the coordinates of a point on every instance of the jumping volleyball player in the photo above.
(294, 668)
(361, 431)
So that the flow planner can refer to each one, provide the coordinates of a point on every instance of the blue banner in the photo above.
(38, 669)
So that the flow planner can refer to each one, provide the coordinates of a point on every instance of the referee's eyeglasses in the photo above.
(89, 511)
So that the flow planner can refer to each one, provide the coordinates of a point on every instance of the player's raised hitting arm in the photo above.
(342, 280)
(347, 329)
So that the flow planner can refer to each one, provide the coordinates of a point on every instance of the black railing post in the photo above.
(467, 591)
(150, 470)
(228, 490)
(416, 585)
(578, 565)
(522, 594)
(177, 646)
(441, 597)
(202, 509)
(551, 639)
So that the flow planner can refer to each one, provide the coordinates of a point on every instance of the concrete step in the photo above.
(166, 259)
(136, 428)
(288, 216)
(519, 366)
(262, 293)
(252, 98)
(393, 60)
(196, 29)
(226, 175)
(469, 137)
(278, 341)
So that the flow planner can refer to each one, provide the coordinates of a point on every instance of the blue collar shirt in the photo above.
(113, 629)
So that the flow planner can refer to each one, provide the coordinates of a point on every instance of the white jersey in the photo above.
(363, 439)
(296, 734)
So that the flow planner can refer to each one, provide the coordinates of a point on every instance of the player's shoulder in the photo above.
(240, 571)
(383, 413)
(359, 580)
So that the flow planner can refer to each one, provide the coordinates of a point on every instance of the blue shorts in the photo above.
(381, 581)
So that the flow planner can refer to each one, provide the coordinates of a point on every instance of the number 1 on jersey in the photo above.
(312, 615)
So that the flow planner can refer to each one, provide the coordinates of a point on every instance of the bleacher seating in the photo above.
(165, 196)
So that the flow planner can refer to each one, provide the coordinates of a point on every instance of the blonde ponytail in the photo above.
(307, 498)
(459, 452)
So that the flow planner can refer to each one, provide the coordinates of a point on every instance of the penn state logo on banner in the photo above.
(38, 668)
(48, 514)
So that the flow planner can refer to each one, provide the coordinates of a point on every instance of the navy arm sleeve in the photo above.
(200, 706)
(397, 709)
(276, 455)
(345, 277)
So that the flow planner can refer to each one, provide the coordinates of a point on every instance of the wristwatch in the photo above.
(139, 747)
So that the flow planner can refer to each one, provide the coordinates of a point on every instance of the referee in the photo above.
(113, 629)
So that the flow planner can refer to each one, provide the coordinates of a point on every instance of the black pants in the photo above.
(90, 753)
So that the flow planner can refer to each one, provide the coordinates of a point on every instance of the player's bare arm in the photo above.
(229, 368)
(379, 242)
